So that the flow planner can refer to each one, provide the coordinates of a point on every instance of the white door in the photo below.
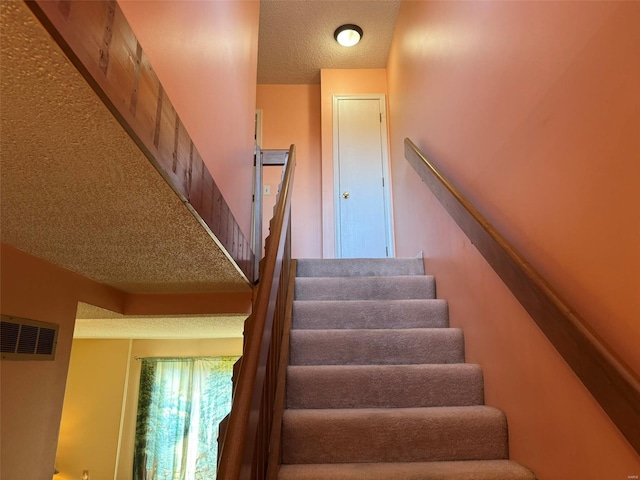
(363, 226)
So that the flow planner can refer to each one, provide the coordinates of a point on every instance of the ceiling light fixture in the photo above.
(348, 35)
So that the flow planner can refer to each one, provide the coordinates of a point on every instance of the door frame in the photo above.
(386, 190)
(256, 197)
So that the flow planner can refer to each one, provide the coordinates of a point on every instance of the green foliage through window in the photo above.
(181, 402)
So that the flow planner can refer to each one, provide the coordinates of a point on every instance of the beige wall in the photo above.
(291, 115)
(533, 109)
(99, 417)
(32, 392)
(205, 55)
(93, 400)
(336, 82)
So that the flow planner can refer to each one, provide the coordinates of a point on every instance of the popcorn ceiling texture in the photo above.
(296, 37)
(223, 326)
(77, 191)
(96, 322)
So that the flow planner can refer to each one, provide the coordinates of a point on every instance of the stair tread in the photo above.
(462, 470)
(363, 288)
(370, 386)
(376, 346)
(377, 387)
(394, 434)
(381, 331)
(407, 313)
(308, 267)
(370, 414)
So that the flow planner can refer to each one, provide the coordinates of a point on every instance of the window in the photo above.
(180, 404)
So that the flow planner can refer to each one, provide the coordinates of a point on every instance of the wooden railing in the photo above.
(245, 444)
(612, 383)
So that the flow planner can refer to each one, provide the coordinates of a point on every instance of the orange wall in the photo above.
(533, 109)
(337, 82)
(205, 55)
(291, 114)
(187, 303)
(32, 392)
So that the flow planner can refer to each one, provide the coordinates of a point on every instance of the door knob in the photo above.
(345, 195)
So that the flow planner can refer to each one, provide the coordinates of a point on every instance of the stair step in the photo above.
(466, 470)
(376, 347)
(365, 288)
(375, 386)
(311, 314)
(394, 435)
(368, 267)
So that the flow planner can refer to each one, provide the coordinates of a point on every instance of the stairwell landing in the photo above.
(377, 386)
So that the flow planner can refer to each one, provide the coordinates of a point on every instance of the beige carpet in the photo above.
(377, 387)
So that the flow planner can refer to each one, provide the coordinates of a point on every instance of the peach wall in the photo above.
(291, 114)
(205, 55)
(336, 82)
(90, 425)
(532, 108)
(160, 348)
(32, 392)
(271, 177)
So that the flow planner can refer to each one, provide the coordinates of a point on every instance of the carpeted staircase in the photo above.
(377, 387)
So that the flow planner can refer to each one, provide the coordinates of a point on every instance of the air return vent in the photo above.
(25, 339)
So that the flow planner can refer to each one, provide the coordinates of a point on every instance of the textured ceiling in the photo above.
(296, 37)
(76, 190)
(230, 326)
(94, 322)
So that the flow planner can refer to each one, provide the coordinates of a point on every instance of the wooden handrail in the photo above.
(244, 452)
(611, 382)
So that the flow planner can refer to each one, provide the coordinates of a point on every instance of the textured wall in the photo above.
(533, 109)
(69, 169)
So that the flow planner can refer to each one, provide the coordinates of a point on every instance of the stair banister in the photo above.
(611, 382)
(245, 446)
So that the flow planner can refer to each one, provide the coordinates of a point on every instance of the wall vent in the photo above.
(26, 339)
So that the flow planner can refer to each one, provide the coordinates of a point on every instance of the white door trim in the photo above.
(385, 170)
(256, 211)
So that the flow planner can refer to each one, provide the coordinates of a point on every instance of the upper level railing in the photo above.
(100, 43)
(612, 383)
(245, 447)
(263, 158)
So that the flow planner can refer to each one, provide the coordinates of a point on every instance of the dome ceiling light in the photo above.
(348, 35)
